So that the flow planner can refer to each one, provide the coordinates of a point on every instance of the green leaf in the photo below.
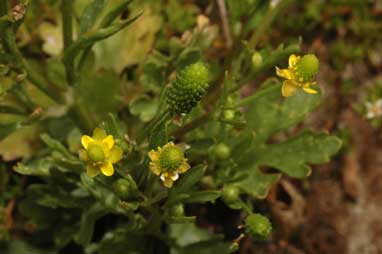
(291, 157)
(144, 107)
(53, 196)
(256, 183)
(37, 167)
(103, 194)
(90, 14)
(99, 92)
(88, 219)
(202, 196)
(57, 146)
(270, 113)
(189, 179)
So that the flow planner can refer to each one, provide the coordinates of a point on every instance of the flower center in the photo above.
(307, 68)
(171, 158)
(96, 153)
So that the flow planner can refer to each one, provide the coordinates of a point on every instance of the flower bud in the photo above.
(257, 60)
(189, 86)
(222, 151)
(177, 210)
(122, 188)
(230, 194)
(307, 68)
(228, 115)
(258, 226)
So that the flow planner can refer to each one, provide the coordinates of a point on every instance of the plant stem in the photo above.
(154, 123)
(251, 98)
(67, 32)
(197, 122)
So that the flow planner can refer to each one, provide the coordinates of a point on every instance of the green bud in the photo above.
(177, 210)
(171, 158)
(222, 151)
(189, 86)
(230, 194)
(258, 226)
(228, 115)
(95, 153)
(307, 68)
(122, 188)
(257, 60)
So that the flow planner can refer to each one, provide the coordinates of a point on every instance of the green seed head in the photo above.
(258, 226)
(95, 153)
(230, 194)
(177, 210)
(307, 68)
(171, 158)
(196, 73)
(188, 88)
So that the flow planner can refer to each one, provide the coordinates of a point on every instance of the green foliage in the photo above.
(147, 73)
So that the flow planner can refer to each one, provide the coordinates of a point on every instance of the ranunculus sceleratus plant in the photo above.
(140, 116)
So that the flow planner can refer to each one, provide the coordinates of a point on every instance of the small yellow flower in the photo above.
(299, 74)
(168, 162)
(100, 153)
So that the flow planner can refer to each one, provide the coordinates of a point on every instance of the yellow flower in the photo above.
(168, 162)
(299, 74)
(100, 153)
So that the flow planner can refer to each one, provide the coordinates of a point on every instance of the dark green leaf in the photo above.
(291, 157)
(7, 129)
(90, 14)
(202, 196)
(88, 219)
(189, 179)
(271, 113)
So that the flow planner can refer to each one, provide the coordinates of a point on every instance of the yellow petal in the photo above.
(91, 170)
(107, 169)
(168, 182)
(183, 167)
(309, 90)
(154, 155)
(86, 141)
(293, 60)
(168, 179)
(106, 149)
(288, 88)
(115, 154)
(155, 168)
(99, 134)
(284, 73)
(169, 144)
(109, 140)
(174, 176)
